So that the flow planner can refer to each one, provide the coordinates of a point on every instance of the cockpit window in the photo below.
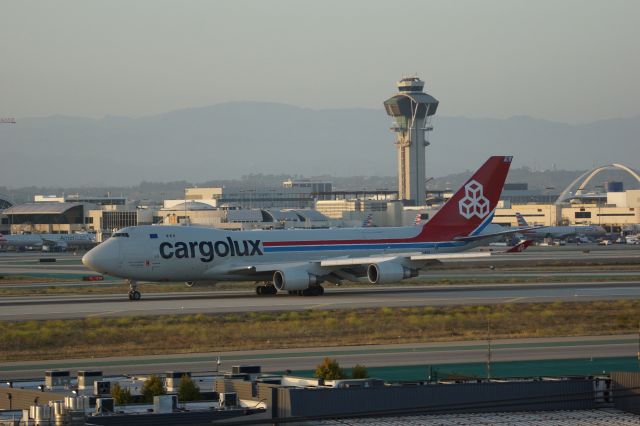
(121, 234)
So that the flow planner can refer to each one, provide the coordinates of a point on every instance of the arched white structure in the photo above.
(587, 176)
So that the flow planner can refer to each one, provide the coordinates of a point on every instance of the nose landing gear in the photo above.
(134, 294)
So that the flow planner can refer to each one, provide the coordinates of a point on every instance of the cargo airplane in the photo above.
(299, 261)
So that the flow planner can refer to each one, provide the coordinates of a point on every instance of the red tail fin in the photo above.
(521, 246)
(472, 205)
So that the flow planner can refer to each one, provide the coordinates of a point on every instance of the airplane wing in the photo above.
(353, 267)
(497, 234)
(416, 257)
(268, 267)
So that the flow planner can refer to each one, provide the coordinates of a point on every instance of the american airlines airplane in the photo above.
(299, 261)
(59, 241)
(558, 231)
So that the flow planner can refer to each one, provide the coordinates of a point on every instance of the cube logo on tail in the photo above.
(474, 203)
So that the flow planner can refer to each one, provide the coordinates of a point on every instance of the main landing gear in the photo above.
(270, 289)
(266, 289)
(134, 294)
(316, 290)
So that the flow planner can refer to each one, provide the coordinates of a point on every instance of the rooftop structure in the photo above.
(295, 197)
(558, 400)
(76, 198)
(321, 190)
(189, 205)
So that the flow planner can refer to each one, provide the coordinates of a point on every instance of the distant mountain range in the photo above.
(229, 140)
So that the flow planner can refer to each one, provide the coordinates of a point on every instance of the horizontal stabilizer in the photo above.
(521, 246)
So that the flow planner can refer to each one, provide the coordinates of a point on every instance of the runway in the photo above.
(84, 306)
(474, 274)
(371, 356)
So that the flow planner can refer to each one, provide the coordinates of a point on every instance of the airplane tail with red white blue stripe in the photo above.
(521, 222)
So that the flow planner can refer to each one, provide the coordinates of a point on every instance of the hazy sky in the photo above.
(572, 61)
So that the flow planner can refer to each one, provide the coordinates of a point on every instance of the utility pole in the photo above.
(488, 349)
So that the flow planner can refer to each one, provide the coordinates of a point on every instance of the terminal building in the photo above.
(76, 198)
(285, 197)
(54, 218)
(608, 205)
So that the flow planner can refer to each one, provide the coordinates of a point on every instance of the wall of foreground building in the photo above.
(626, 388)
(468, 397)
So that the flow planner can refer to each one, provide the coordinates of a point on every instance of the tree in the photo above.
(121, 396)
(188, 390)
(153, 386)
(359, 372)
(329, 369)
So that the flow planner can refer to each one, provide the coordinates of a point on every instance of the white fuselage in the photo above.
(566, 231)
(186, 253)
(39, 240)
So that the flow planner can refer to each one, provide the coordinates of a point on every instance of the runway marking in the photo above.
(101, 314)
(607, 292)
(320, 306)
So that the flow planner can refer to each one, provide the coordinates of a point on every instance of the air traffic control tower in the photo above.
(412, 110)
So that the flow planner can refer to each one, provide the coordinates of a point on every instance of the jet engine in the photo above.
(293, 279)
(388, 272)
(199, 283)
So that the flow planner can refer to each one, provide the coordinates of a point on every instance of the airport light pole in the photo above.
(488, 349)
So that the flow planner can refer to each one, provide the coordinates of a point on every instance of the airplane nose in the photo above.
(87, 259)
(102, 258)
